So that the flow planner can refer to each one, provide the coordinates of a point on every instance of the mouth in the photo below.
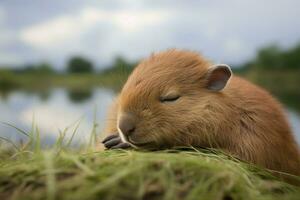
(143, 145)
(140, 144)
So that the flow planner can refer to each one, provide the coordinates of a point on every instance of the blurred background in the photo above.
(62, 62)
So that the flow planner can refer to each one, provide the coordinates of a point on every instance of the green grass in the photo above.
(36, 82)
(135, 175)
(59, 172)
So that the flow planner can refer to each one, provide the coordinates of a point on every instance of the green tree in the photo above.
(120, 66)
(79, 64)
(274, 57)
(39, 68)
(269, 57)
(291, 57)
(44, 68)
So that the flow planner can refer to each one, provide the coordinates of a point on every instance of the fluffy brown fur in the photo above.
(242, 119)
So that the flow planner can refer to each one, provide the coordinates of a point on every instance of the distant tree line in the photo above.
(120, 65)
(40, 68)
(269, 57)
(80, 64)
(274, 57)
(76, 64)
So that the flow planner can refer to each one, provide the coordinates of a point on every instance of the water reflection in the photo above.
(56, 113)
(80, 95)
(54, 110)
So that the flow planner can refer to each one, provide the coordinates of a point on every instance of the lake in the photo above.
(54, 110)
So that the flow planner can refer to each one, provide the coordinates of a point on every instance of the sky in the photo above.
(224, 31)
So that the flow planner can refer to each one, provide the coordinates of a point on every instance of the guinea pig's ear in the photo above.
(217, 77)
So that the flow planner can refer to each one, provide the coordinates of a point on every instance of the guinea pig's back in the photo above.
(262, 121)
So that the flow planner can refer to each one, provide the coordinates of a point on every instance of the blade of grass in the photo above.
(9, 141)
(73, 134)
(60, 140)
(92, 140)
(79, 164)
(37, 140)
(32, 133)
(18, 129)
(50, 175)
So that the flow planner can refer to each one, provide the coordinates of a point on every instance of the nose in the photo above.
(127, 124)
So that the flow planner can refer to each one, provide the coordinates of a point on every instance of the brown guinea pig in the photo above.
(177, 98)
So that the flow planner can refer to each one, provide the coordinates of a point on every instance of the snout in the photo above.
(131, 132)
(127, 124)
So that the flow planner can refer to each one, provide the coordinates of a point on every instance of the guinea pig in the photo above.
(178, 98)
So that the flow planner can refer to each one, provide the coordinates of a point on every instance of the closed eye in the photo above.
(169, 98)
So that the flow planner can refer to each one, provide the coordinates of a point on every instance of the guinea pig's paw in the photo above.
(114, 142)
(122, 145)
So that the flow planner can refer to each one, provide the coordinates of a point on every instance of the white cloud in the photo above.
(228, 31)
(64, 29)
(131, 22)
(51, 33)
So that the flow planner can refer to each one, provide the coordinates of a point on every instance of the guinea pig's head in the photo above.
(167, 99)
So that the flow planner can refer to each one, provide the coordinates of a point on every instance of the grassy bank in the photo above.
(62, 174)
(30, 171)
(38, 82)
